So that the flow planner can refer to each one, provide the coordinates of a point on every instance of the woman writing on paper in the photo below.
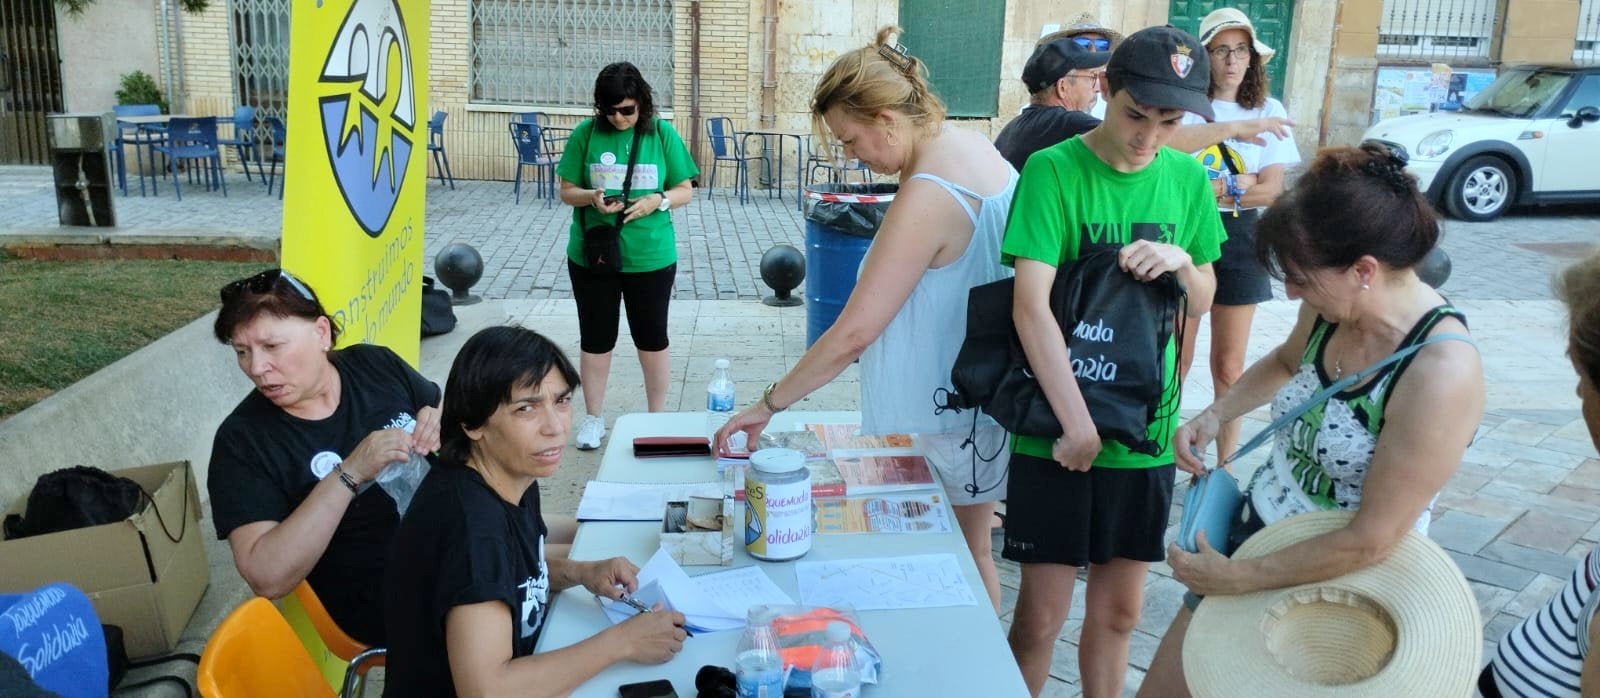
(906, 318)
(1385, 446)
(468, 594)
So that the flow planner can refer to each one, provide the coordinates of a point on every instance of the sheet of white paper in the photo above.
(637, 501)
(738, 589)
(661, 580)
(887, 583)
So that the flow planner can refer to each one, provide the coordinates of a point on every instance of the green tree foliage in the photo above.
(139, 88)
(76, 7)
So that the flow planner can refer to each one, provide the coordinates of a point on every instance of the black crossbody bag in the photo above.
(602, 243)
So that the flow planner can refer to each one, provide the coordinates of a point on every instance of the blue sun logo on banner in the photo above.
(370, 127)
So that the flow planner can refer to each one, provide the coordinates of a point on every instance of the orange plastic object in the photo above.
(254, 652)
(340, 644)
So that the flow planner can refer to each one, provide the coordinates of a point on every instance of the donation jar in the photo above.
(841, 220)
(777, 505)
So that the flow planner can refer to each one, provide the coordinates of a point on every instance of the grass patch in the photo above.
(63, 320)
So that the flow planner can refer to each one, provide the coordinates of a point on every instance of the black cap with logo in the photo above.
(1051, 61)
(1164, 67)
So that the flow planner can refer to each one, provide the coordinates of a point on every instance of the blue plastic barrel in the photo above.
(841, 220)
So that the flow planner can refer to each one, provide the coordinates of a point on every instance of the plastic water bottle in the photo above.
(835, 674)
(758, 664)
(719, 398)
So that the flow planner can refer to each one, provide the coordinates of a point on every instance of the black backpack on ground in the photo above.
(437, 315)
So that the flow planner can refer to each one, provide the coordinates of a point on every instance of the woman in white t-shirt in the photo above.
(1246, 178)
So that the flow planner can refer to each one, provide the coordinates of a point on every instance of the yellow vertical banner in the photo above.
(355, 166)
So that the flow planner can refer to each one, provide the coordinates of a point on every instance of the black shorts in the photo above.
(1241, 280)
(1058, 516)
(645, 294)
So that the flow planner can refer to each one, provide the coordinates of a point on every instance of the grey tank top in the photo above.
(912, 358)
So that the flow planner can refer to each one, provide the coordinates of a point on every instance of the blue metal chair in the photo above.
(441, 160)
(142, 138)
(244, 139)
(531, 117)
(280, 132)
(835, 166)
(194, 139)
(529, 143)
(727, 147)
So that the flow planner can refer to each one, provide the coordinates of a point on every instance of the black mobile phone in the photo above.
(615, 199)
(660, 688)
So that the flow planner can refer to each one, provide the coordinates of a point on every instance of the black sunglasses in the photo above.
(627, 110)
(263, 283)
(1092, 44)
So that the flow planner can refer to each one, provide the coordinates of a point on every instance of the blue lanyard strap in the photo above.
(1339, 385)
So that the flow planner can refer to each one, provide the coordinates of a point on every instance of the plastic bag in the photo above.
(800, 632)
(852, 209)
(401, 478)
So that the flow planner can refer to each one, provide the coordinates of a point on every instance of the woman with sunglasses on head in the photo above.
(1246, 177)
(593, 171)
(292, 467)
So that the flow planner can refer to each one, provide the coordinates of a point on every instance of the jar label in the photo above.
(777, 518)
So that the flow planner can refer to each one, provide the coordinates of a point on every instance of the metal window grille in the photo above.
(1451, 31)
(30, 79)
(547, 52)
(1586, 50)
(260, 30)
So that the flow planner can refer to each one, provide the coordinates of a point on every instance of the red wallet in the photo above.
(667, 446)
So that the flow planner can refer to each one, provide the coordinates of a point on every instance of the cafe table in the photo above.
(953, 651)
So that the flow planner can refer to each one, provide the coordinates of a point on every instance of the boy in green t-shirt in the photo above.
(1077, 501)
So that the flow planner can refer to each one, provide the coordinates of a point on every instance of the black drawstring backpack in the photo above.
(1117, 329)
(75, 497)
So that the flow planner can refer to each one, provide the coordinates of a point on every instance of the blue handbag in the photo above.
(1214, 501)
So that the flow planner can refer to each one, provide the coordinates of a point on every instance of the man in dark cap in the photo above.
(1062, 78)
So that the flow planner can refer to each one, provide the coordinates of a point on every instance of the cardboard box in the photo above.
(137, 577)
(686, 531)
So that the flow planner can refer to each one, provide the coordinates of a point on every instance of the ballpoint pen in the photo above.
(640, 607)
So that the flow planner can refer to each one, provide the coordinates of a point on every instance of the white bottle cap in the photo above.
(777, 460)
(837, 631)
(722, 363)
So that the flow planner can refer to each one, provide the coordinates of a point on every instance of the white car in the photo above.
(1531, 137)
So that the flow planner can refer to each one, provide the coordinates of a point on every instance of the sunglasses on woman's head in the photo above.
(625, 110)
(263, 283)
(1092, 44)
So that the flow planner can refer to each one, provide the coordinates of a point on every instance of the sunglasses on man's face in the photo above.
(625, 110)
(1092, 44)
(263, 283)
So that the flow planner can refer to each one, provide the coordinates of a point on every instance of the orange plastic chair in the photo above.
(358, 657)
(254, 652)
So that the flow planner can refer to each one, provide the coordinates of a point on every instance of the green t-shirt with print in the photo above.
(596, 158)
(1068, 200)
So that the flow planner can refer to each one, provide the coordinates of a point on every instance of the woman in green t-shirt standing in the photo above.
(592, 171)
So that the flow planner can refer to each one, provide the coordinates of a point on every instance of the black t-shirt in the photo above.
(264, 462)
(463, 545)
(1039, 127)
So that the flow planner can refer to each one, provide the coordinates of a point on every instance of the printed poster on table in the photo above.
(355, 168)
(891, 513)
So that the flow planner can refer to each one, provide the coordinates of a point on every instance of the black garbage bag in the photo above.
(75, 497)
(851, 209)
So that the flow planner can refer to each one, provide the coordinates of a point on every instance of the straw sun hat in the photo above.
(1407, 626)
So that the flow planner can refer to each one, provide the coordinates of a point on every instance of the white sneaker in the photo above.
(590, 432)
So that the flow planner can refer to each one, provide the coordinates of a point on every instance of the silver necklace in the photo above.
(1338, 368)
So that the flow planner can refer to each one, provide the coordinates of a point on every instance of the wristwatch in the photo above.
(766, 399)
(666, 203)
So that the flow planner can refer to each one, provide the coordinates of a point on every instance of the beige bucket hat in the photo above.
(1407, 626)
(1223, 19)
(1084, 23)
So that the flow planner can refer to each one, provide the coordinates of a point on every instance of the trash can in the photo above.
(841, 220)
(82, 169)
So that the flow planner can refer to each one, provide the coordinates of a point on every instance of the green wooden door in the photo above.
(959, 40)
(1271, 18)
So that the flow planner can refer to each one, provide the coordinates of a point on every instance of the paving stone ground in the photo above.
(1524, 507)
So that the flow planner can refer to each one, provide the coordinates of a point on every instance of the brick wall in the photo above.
(206, 86)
